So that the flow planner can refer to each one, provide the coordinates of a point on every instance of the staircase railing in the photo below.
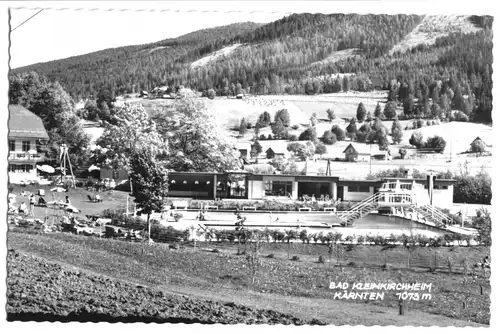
(360, 210)
(360, 205)
(436, 214)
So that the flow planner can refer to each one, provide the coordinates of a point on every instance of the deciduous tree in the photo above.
(150, 182)
(331, 114)
(196, 140)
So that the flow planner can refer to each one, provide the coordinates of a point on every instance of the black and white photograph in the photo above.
(249, 163)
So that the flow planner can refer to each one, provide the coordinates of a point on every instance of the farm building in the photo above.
(479, 146)
(355, 153)
(272, 153)
(244, 148)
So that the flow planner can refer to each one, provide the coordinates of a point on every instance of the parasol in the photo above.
(46, 169)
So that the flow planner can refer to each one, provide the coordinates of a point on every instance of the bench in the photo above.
(180, 204)
(245, 208)
(330, 208)
(305, 209)
(212, 207)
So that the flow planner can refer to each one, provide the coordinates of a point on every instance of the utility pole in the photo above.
(370, 172)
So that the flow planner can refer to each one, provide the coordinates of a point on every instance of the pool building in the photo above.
(244, 185)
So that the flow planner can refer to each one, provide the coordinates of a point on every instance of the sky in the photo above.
(84, 27)
(55, 34)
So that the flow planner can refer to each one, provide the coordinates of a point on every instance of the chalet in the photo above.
(244, 148)
(272, 153)
(478, 140)
(357, 153)
(26, 130)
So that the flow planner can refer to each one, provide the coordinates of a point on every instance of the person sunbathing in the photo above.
(23, 208)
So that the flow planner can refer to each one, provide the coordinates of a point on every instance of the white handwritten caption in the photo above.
(358, 290)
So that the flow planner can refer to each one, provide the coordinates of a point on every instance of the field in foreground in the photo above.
(39, 290)
(299, 289)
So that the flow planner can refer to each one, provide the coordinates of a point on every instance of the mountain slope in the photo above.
(300, 53)
(136, 67)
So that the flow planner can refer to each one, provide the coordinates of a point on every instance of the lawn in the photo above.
(225, 276)
(78, 197)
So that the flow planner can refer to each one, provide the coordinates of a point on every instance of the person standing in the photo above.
(32, 204)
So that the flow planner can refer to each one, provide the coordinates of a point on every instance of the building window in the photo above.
(12, 145)
(20, 168)
(406, 186)
(358, 189)
(26, 145)
(278, 188)
(364, 189)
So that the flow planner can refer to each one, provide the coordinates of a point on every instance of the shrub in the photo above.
(215, 250)
(293, 138)
(270, 256)
(417, 139)
(437, 143)
(295, 258)
(338, 132)
(329, 138)
(295, 127)
(321, 259)
(309, 134)
(178, 216)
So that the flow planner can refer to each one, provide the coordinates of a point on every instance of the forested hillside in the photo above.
(302, 54)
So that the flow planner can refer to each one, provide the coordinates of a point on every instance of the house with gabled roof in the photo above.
(26, 131)
(361, 152)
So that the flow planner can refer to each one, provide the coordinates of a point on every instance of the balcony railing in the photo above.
(13, 156)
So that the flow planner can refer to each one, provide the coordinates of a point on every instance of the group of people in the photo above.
(202, 215)
(312, 198)
(23, 208)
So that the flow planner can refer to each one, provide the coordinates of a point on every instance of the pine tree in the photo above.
(390, 110)
(378, 111)
(396, 132)
(361, 112)
(243, 126)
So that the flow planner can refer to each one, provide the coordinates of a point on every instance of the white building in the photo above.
(25, 132)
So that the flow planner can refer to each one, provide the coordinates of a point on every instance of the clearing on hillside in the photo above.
(433, 27)
(214, 56)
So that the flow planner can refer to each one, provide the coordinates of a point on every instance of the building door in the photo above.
(340, 193)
